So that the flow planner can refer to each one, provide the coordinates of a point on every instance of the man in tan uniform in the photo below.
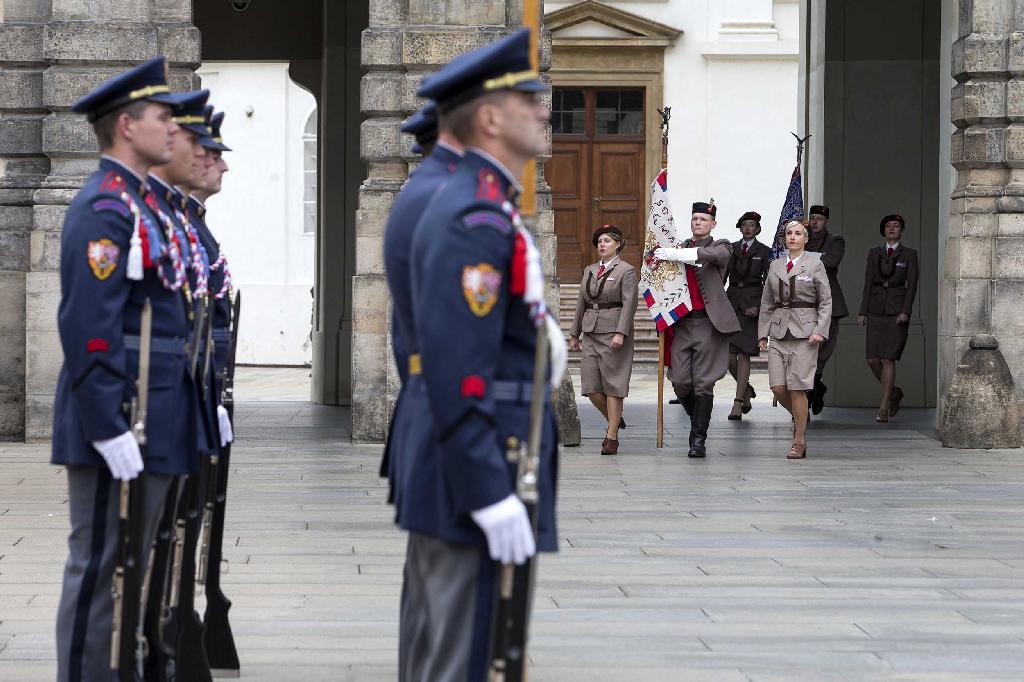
(700, 344)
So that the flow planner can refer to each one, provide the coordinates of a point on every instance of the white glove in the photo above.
(507, 527)
(122, 455)
(687, 256)
(224, 421)
(559, 352)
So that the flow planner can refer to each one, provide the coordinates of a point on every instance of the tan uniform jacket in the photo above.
(806, 283)
(616, 285)
(713, 255)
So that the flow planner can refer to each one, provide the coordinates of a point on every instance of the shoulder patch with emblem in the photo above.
(481, 285)
(114, 205)
(103, 257)
(487, 219)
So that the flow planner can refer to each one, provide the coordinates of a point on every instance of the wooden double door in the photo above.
(596, 172)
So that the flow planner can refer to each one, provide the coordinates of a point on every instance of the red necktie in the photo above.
(600, 270)
(744, 249)
(890, 252)
(789, 266)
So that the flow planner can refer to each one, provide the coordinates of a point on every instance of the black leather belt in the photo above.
(890, 285)
(796, 304)
(746, 285)
(604, 306)
(515, 392)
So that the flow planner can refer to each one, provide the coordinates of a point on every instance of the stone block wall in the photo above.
(983, 279)
(405, 40)
(51, 53)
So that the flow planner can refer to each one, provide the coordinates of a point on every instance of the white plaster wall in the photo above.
(257, 217)
(731, 80)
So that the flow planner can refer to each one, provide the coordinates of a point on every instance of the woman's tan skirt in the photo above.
(603, 370)
(792, 363)
(884, 338)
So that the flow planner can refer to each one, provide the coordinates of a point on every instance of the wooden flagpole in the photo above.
(666, 113)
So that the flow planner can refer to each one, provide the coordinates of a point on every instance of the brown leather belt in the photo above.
(796, 304)
(604, 306)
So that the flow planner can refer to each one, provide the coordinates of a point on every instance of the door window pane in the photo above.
(568, 110)
(620, 112)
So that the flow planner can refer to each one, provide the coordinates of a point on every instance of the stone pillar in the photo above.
(23, 167)
(84, 44)
(984, 262)
(406, 40)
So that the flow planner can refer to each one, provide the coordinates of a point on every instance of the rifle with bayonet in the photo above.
(127, 648)
(160, 659)
(219, 640)
(515, 583)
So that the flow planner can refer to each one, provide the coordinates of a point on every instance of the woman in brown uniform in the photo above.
(890, 286)
(796, 311)
(604, 312)
(748, 267)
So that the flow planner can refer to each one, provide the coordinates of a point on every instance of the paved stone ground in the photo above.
(881, 556)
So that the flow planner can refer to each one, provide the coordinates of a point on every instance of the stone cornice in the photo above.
(641, 30)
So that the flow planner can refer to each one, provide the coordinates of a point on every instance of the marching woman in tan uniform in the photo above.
(796, 311)
(890, 286)
(604, 312)
(748, 267)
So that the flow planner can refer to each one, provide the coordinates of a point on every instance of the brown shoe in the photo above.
(883, 416)
(610, 446)
(737, 410)
(894, 401)
(797, 451)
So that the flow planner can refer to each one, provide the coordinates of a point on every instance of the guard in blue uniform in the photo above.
(476, 280)
(115, 255)
(220, 284)
(172, 183)
(443, 153)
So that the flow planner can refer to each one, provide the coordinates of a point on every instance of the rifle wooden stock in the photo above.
(127, 648)
(515, 583)
(190, 661)
(160, 661)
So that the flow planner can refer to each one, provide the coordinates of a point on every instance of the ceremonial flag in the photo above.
(663, 283)
(792, 209)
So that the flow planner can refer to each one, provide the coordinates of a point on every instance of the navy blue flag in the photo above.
(792, 209)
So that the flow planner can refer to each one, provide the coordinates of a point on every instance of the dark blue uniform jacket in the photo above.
(98, 321)
(398, 233)
(477, 344)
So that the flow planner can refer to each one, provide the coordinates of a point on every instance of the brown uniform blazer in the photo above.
(806, 283)
(890, 283)
(832, 251)
(713, 255)
(616, 285)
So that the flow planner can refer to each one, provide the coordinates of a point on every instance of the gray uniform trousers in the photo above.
(700, 356)
(448, 596)
(85, 612)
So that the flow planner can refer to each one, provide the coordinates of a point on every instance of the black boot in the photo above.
(699, 422)
(818, 395)
(687, 402)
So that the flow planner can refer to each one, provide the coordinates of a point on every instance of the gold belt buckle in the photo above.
(415, 365)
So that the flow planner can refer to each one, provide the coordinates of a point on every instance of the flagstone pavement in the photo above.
(881, 556)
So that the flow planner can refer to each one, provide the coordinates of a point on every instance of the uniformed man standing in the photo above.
(477, 272)
(700, 343)
(832, 248)
(115, 256)
(443, 152)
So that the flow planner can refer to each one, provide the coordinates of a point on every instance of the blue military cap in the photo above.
(214, 139)
(423, 126)
(145, 82)
(192, 114)
(501, 65)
